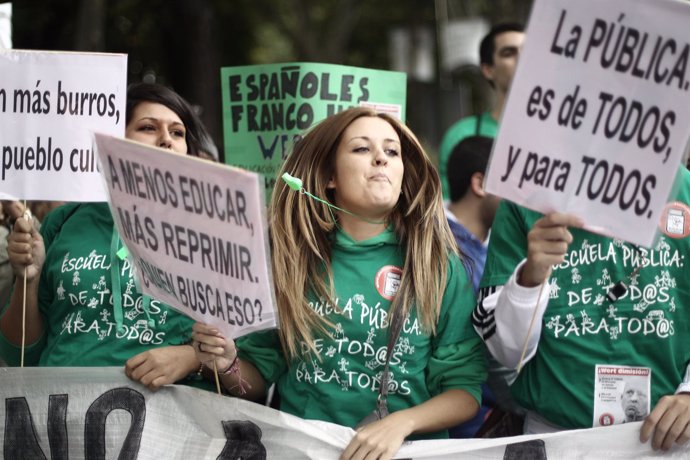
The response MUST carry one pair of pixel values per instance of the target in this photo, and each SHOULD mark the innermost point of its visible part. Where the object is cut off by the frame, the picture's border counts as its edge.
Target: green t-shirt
(343, 386)
(75, 298)
(647, 327)
(482, 125)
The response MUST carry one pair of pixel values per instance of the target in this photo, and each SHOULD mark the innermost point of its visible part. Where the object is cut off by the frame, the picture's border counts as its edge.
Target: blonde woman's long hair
(301, 227)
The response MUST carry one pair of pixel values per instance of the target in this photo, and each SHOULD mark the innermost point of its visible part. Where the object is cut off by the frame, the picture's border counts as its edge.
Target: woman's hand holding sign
(240, 378)
(22, 322)
(24, 244)
(210, 346)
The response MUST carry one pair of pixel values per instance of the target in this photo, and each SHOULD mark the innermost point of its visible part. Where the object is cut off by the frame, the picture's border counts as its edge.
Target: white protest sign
(196, 232)
(98, 413)
(5, 26)
(598, 115)
(49, 102)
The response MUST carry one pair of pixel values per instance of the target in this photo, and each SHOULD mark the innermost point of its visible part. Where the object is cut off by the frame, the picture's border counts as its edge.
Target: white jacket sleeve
(502, 318)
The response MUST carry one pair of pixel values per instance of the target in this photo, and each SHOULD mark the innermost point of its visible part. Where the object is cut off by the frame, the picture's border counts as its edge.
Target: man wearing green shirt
(498, 55)
(580, 314)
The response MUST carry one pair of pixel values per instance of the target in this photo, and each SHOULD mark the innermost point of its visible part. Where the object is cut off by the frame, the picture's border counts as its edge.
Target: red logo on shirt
(675, 220)
(387, 281)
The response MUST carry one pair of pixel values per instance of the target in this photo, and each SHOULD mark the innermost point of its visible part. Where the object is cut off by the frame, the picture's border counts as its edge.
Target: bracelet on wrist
(198, 375)
(233, 368)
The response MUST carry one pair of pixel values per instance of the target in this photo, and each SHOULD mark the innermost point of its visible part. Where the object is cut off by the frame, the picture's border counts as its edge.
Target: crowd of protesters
(475, 319)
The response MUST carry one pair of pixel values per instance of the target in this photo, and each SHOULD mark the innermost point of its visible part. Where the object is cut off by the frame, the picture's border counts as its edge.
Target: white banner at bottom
(99, 413)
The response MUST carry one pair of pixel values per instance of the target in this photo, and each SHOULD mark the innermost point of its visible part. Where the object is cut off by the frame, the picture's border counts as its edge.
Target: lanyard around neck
(115, 256)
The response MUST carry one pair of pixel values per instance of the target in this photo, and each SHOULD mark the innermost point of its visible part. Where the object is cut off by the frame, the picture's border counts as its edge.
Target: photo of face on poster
(635, 400)
(621, 395)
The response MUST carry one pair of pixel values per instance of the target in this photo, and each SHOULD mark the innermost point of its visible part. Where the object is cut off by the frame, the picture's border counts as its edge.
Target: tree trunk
(90, 26)
(197, 70)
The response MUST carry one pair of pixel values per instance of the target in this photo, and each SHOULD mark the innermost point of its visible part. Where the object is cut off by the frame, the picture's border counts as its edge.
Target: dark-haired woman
(82, 305)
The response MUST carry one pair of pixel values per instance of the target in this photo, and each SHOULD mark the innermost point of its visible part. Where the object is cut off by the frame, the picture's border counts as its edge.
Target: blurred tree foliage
(183, 43)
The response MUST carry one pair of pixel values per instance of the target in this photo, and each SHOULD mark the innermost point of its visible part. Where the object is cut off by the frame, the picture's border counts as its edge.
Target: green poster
(266, 106)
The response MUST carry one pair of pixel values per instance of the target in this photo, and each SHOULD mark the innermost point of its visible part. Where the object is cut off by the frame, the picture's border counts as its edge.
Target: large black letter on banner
(57, 427)
(20, 434)
(528, 450)
(243, 441)
(94, 427)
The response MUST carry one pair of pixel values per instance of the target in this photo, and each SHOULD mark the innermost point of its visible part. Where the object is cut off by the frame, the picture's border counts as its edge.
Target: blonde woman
(379, 247)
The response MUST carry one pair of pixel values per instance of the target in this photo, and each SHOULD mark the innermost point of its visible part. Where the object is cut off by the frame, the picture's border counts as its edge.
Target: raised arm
(504, 313)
